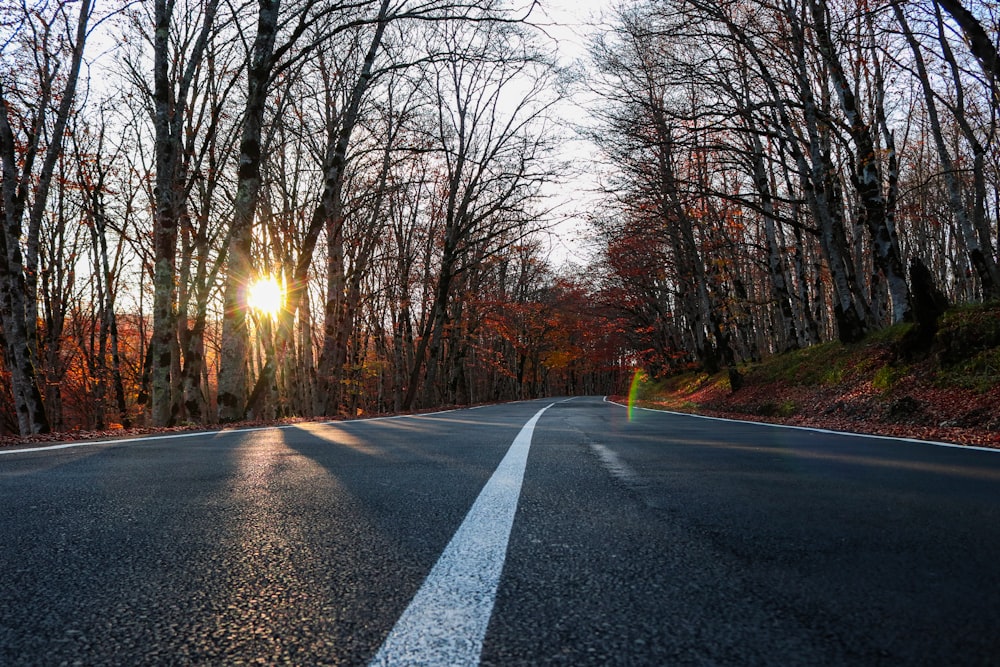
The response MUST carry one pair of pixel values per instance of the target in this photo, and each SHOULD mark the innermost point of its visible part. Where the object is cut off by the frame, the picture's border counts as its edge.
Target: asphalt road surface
(579, 538)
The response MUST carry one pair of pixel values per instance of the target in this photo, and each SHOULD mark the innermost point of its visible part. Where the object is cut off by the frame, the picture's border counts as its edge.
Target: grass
(887, 376)
(965, 354)
(968, 342)
(819, 364)
(979, 372)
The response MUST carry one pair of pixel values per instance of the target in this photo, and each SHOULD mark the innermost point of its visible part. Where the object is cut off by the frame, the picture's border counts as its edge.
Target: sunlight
(266, 296)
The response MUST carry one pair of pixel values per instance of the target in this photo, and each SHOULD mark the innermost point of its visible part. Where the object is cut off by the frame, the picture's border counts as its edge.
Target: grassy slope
(949, 393)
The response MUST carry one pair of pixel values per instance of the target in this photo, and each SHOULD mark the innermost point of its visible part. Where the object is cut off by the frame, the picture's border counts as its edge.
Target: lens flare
(633, 391)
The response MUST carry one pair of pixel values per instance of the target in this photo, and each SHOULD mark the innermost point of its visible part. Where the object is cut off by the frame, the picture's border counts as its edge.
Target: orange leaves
(559, 328)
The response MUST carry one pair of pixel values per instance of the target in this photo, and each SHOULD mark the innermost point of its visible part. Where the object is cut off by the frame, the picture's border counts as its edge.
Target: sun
(266, 296)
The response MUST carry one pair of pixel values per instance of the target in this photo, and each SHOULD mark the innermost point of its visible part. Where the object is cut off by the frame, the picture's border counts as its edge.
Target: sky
(570, 23)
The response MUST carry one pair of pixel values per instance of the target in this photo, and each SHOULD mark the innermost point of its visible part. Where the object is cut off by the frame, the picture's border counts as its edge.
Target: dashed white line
(618, 468)
(446, 621)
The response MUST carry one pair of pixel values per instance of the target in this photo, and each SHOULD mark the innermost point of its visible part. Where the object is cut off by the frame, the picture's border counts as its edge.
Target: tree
(93, 175)
(983, 262)
(170, 102)
(490, 93)
(978, 40)
(34, 114)
(239, 266)
(268, 57)
(867, 177)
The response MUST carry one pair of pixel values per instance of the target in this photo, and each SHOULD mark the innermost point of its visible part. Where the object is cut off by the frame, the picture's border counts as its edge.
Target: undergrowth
(883, 382)
(968, 348)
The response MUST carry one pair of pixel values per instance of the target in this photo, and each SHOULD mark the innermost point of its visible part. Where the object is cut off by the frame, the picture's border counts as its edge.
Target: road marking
(17, 449)
(618, 468)
(144, 438)
(815, 429)
(149, 438)
(446, 621)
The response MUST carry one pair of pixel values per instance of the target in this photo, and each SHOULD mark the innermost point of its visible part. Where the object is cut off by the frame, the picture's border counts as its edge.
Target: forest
(769, 175)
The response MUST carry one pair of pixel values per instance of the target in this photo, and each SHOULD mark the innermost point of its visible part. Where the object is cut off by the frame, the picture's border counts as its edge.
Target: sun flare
(633, 392)
(266, 296)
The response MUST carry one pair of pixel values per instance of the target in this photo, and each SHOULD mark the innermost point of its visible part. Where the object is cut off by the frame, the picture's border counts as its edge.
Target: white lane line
(814, 429)
(15, 449)
(144, 438)
(446, 621)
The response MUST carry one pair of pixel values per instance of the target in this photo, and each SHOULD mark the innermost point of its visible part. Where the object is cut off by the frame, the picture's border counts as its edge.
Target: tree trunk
(979, 41)
(977, 237)
(165, 221)
(169, 108)
(823, 194)
(867, 178)
(239, 269)
(815, 173)
(430, 339)
(18, 291)
(788, 338)
(334, 356)
(954, 186)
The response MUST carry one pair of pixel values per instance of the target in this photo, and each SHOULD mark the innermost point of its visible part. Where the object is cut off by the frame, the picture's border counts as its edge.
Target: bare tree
(267, 57)
(34, 114)
(491, 93)
(982, 261)
(867, 178)
(171, 97)
(94, 175)
(977, 38)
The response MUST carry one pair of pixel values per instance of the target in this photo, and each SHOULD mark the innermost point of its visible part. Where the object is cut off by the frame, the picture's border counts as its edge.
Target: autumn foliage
(773, 177)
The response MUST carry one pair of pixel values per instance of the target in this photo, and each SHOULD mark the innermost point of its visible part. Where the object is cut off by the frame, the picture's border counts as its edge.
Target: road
(664, 540)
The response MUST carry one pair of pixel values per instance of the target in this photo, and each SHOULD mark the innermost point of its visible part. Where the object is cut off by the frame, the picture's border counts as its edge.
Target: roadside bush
(968, 330)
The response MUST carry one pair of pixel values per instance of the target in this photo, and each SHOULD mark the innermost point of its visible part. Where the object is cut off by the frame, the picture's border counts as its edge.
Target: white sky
(571, 23)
